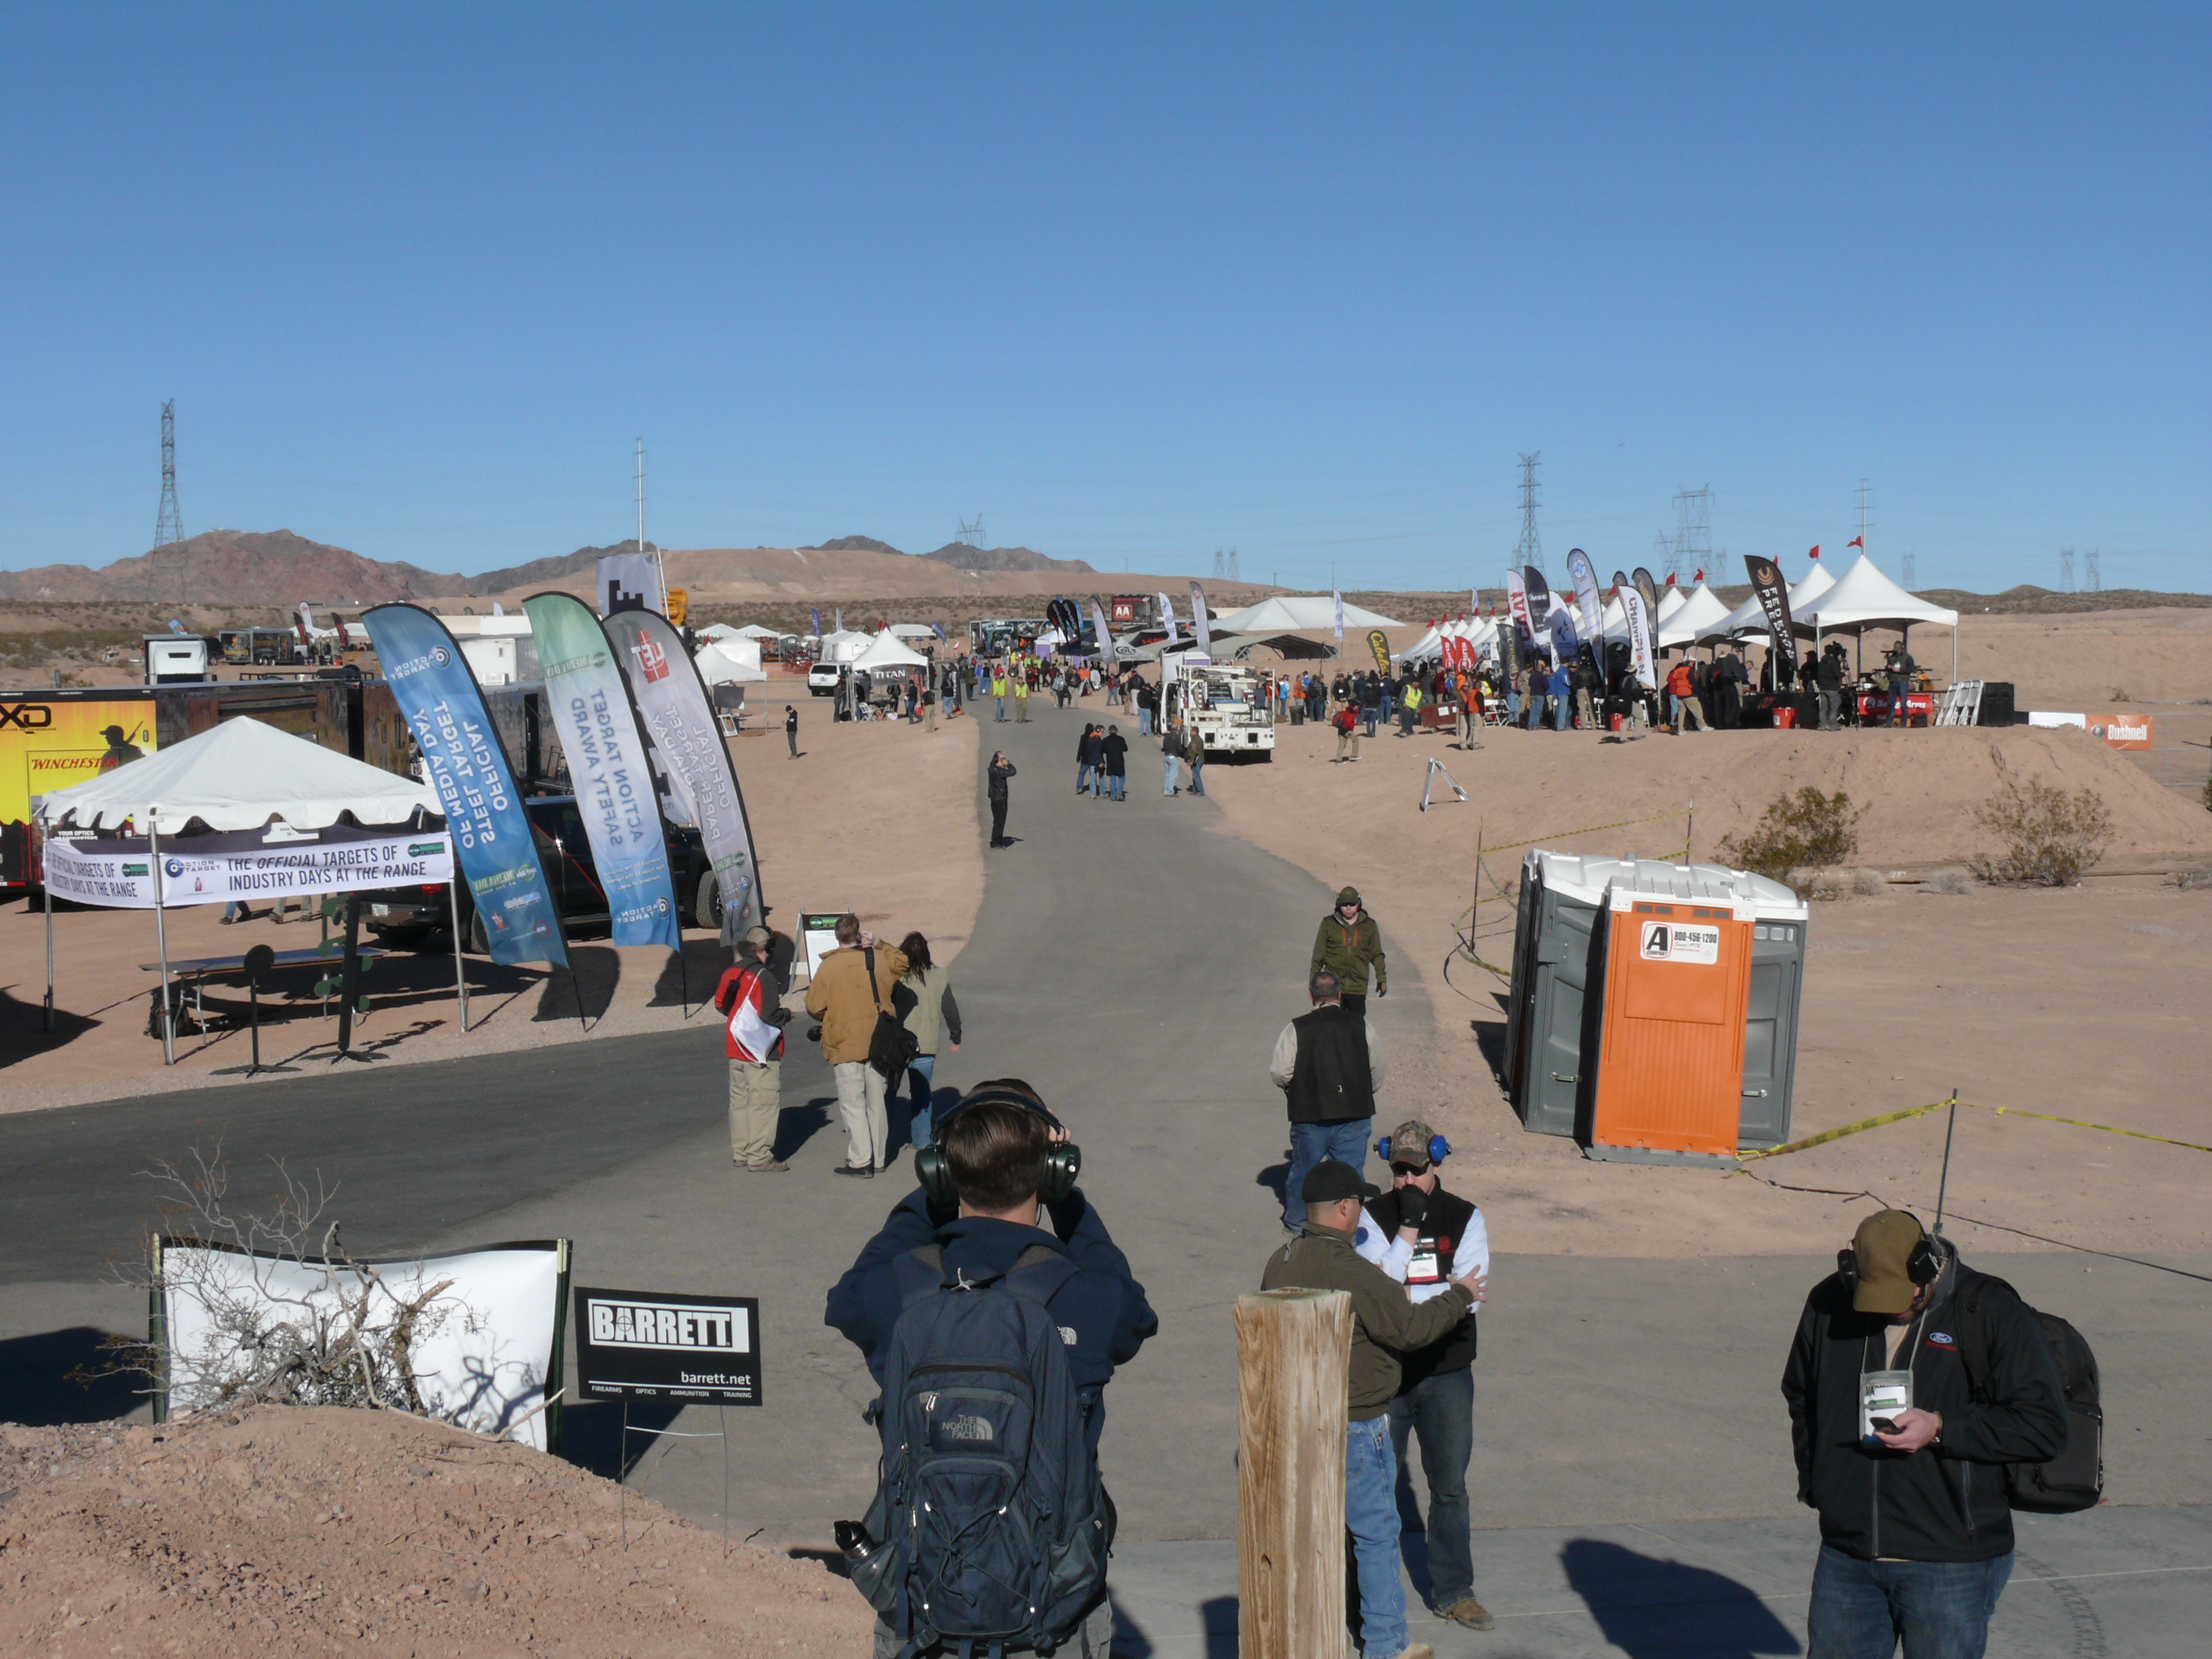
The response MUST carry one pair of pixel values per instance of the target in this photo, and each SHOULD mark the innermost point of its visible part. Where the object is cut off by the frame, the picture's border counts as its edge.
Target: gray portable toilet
(1547, 1025)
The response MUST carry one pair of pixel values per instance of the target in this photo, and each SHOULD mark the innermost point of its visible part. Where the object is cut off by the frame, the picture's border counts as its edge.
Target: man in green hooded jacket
(1349, 945)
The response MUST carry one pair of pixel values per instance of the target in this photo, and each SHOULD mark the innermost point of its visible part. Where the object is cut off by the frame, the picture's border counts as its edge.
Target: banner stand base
(1428, 782)
(722, 1434)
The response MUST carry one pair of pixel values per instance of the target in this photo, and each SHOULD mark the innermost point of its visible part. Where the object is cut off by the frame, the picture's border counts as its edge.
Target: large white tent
(238, 776)
(1670, 600)
(721, 631)
(886, 652)
(1748, 620)
(1863, 598)
(720, 665)
(1696, 614)
(843, 647)
(913, 630)
(1298, 611)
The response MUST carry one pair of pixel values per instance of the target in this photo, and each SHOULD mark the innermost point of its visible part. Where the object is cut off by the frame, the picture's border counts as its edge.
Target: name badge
(1426, 1267)
(1883, 1394)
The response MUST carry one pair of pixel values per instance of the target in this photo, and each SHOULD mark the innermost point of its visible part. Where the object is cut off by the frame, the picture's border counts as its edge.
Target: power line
(168, 523)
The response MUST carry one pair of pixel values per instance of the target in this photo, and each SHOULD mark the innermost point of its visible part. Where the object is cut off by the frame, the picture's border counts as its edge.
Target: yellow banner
(46, 746)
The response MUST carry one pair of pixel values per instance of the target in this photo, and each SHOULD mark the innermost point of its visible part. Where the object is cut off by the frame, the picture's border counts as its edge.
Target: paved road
(1135, 964)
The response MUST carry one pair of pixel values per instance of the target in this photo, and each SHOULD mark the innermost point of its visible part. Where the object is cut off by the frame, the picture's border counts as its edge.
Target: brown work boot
(1470, 1613)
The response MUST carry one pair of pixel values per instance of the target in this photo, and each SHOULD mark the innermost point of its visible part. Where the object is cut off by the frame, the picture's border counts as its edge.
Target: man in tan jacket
(841, 997)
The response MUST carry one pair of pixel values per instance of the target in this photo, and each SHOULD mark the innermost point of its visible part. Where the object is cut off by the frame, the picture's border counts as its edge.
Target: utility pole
(168, 523)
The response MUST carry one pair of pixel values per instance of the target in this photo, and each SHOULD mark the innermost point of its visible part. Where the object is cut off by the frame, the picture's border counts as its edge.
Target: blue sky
(1131, 283)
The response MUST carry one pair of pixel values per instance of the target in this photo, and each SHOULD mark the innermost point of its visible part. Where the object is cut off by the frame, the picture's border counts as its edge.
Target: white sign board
(1677, 941)
(100, 872)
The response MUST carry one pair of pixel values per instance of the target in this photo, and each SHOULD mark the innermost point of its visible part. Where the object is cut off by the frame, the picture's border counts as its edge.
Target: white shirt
(1393, 1254)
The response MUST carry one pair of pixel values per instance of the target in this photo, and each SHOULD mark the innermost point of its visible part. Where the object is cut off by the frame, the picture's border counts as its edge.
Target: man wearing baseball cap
(1902, 1455)
(1425, 1238)
(1385, 1325)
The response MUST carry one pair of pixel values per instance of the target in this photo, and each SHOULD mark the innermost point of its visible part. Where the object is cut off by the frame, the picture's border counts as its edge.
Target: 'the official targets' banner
(463, 762)
(590, 708)
(671, 700)
(245, 866)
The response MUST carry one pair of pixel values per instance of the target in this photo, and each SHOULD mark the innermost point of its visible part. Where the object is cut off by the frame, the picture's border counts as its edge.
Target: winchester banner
(463, 761)
(615, 794)
(671, 700)
(1774, 600)
(246, 866)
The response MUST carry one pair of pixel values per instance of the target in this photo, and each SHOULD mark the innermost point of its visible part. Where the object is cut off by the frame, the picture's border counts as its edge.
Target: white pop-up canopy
(844, 646)
(725, 663)
(239, 776)
(886, 652)
(1693, 618)
(1748, 620)
(1297, 610)
(1671, 600)
(1863, 598)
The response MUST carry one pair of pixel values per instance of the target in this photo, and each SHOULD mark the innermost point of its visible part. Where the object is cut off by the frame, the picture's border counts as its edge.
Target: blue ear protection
(1439, 1149)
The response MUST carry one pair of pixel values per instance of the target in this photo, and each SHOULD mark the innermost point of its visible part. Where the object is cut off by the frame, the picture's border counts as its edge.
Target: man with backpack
(851, 995)
(1917, 1388)
(992, 1309)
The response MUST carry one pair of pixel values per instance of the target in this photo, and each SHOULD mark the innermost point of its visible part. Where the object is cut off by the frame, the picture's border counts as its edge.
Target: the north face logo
(966, 1428)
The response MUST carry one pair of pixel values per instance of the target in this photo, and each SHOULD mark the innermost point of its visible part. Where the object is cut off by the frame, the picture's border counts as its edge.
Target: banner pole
(576, 985)
(1943, 1182)
(49, 892)
(460, 972)
(160, 939)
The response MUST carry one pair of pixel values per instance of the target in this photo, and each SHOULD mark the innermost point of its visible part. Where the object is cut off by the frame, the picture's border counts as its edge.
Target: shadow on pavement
(1649, 1609)
(797, 1125)
(591, 1434)
(688, 981)
(23, 1025)
(64, 1376)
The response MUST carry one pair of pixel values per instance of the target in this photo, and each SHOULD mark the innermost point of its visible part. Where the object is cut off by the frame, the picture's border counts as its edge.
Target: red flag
(1670, 579)
(1699, 577)
(1816, 553)
(1859, 541)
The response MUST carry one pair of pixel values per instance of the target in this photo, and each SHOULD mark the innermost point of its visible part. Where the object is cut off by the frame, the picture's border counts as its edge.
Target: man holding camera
(998, 1203)
(853, 986)
(1386, 1326)
(751, 997)
(1912, 1381)
(1427, 1239)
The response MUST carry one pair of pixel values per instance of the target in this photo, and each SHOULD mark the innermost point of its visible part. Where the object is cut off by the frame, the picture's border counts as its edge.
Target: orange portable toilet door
(1670, 1055)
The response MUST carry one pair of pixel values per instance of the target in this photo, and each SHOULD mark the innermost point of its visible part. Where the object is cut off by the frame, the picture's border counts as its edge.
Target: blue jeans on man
(1143, 721)
(1345, 1140)
(1938, 1609)
(1371, 1516)
(1083, 779)
(1370, 713)
(1441, 1407)
(1197, 775)
(1116, 782)
(918, 1081)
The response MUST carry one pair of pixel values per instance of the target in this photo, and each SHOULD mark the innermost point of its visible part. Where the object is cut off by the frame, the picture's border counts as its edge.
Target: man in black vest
(1426, 1237)
(1328, 1066)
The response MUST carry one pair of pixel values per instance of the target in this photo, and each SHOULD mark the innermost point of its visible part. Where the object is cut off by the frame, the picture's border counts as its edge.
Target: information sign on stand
(817, 936)
(651, 1346)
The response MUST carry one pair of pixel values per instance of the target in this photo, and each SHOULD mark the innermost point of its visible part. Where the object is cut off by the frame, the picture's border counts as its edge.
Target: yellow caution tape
(1922, 1111)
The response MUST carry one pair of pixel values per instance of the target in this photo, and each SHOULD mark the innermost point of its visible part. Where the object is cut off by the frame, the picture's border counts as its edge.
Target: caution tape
(1827, 1135)
(1569, 834)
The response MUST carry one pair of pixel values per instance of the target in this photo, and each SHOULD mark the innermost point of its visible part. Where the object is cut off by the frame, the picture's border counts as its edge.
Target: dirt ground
(817, 821)
(2086, 1002)
(289, 1531)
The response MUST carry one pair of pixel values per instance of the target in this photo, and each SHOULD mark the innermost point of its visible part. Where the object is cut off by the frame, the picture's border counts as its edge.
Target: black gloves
(1412, 1204)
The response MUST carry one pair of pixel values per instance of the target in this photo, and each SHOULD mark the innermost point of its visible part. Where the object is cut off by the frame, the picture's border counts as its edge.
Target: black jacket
(995, 787)
(1946, 1501)
(1117, 752)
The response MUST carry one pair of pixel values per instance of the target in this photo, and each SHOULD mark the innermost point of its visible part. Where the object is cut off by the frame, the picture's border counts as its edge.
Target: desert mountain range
(249, 567)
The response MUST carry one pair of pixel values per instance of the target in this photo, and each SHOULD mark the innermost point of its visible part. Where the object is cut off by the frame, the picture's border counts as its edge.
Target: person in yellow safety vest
(1408, 706)
(1021, 698)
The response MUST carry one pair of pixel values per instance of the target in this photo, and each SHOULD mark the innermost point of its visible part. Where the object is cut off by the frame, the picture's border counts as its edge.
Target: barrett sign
(657, 1346)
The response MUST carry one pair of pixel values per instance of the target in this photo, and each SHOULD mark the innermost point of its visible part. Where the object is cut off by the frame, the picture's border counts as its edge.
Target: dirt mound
(302, 1531)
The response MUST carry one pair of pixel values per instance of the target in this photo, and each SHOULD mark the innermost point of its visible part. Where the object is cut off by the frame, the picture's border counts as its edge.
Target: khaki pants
(1582, 708)
(1347, 741)
(867, 1125)
(756, 1100)
(1022, 710)
(929, 716)
(1466, 723)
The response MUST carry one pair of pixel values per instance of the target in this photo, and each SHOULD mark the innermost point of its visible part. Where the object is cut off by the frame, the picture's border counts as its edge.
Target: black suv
(409, 916)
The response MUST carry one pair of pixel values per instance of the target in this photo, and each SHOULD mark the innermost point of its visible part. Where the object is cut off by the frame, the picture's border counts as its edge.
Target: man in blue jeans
(1425, 1238)
(1328, 1066)
(1912, 1381)
(1385, 1325)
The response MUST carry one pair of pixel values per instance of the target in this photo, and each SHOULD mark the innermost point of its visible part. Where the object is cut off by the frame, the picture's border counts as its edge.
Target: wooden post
(1293, 1368)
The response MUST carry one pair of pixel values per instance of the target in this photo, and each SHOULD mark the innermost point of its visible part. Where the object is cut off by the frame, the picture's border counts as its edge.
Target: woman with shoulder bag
(924, 1002)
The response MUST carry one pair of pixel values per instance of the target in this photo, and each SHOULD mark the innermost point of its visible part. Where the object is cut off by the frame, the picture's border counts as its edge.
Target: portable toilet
(1667, 1087)
(1555, 970)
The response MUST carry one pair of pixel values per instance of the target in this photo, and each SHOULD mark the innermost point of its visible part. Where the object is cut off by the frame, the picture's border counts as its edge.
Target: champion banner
(1590, 617)
(1639, 636)
(246, 866)
(1378, 642)
(590, 708)
(1773, 598)
(671, 700)
(463, 762)
(1202, 622)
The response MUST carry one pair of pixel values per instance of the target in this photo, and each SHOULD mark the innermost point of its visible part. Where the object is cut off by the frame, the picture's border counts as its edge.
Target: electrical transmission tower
(1866, 517)
(1220, 563)
(1912, 572)
(1663, 558)
(168, 523)
(1235, 575)
(1693, 530)
(2094, 565)
(971, 535)
(2066, 570)
(1531, 550)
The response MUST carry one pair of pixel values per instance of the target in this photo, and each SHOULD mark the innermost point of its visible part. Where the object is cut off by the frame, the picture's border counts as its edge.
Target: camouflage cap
(1409, 1143)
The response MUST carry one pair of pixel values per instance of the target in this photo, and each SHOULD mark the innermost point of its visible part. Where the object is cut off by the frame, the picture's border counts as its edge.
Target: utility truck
(1222, 702)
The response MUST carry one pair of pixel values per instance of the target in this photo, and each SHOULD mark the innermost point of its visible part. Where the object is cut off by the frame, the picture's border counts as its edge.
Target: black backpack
(2075, 1480)
(993, 1523)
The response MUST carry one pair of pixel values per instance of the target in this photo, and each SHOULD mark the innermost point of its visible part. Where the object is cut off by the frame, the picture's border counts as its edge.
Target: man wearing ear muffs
(1426, 1237)
(1902, 1455)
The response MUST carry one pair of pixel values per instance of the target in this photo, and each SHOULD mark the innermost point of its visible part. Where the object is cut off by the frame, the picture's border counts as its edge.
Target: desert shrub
(2207, 792)
(1806, 830)
(2047, 836)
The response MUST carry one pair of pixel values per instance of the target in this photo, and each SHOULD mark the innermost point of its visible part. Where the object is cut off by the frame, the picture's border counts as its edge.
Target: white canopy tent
(913, 630)
(1863, 598)
(1671, 599)
(886, 652)
(1693, 618)
(843, 647)
(723, 664)
(1291, 611)
(242, 775)
(1748, 620)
